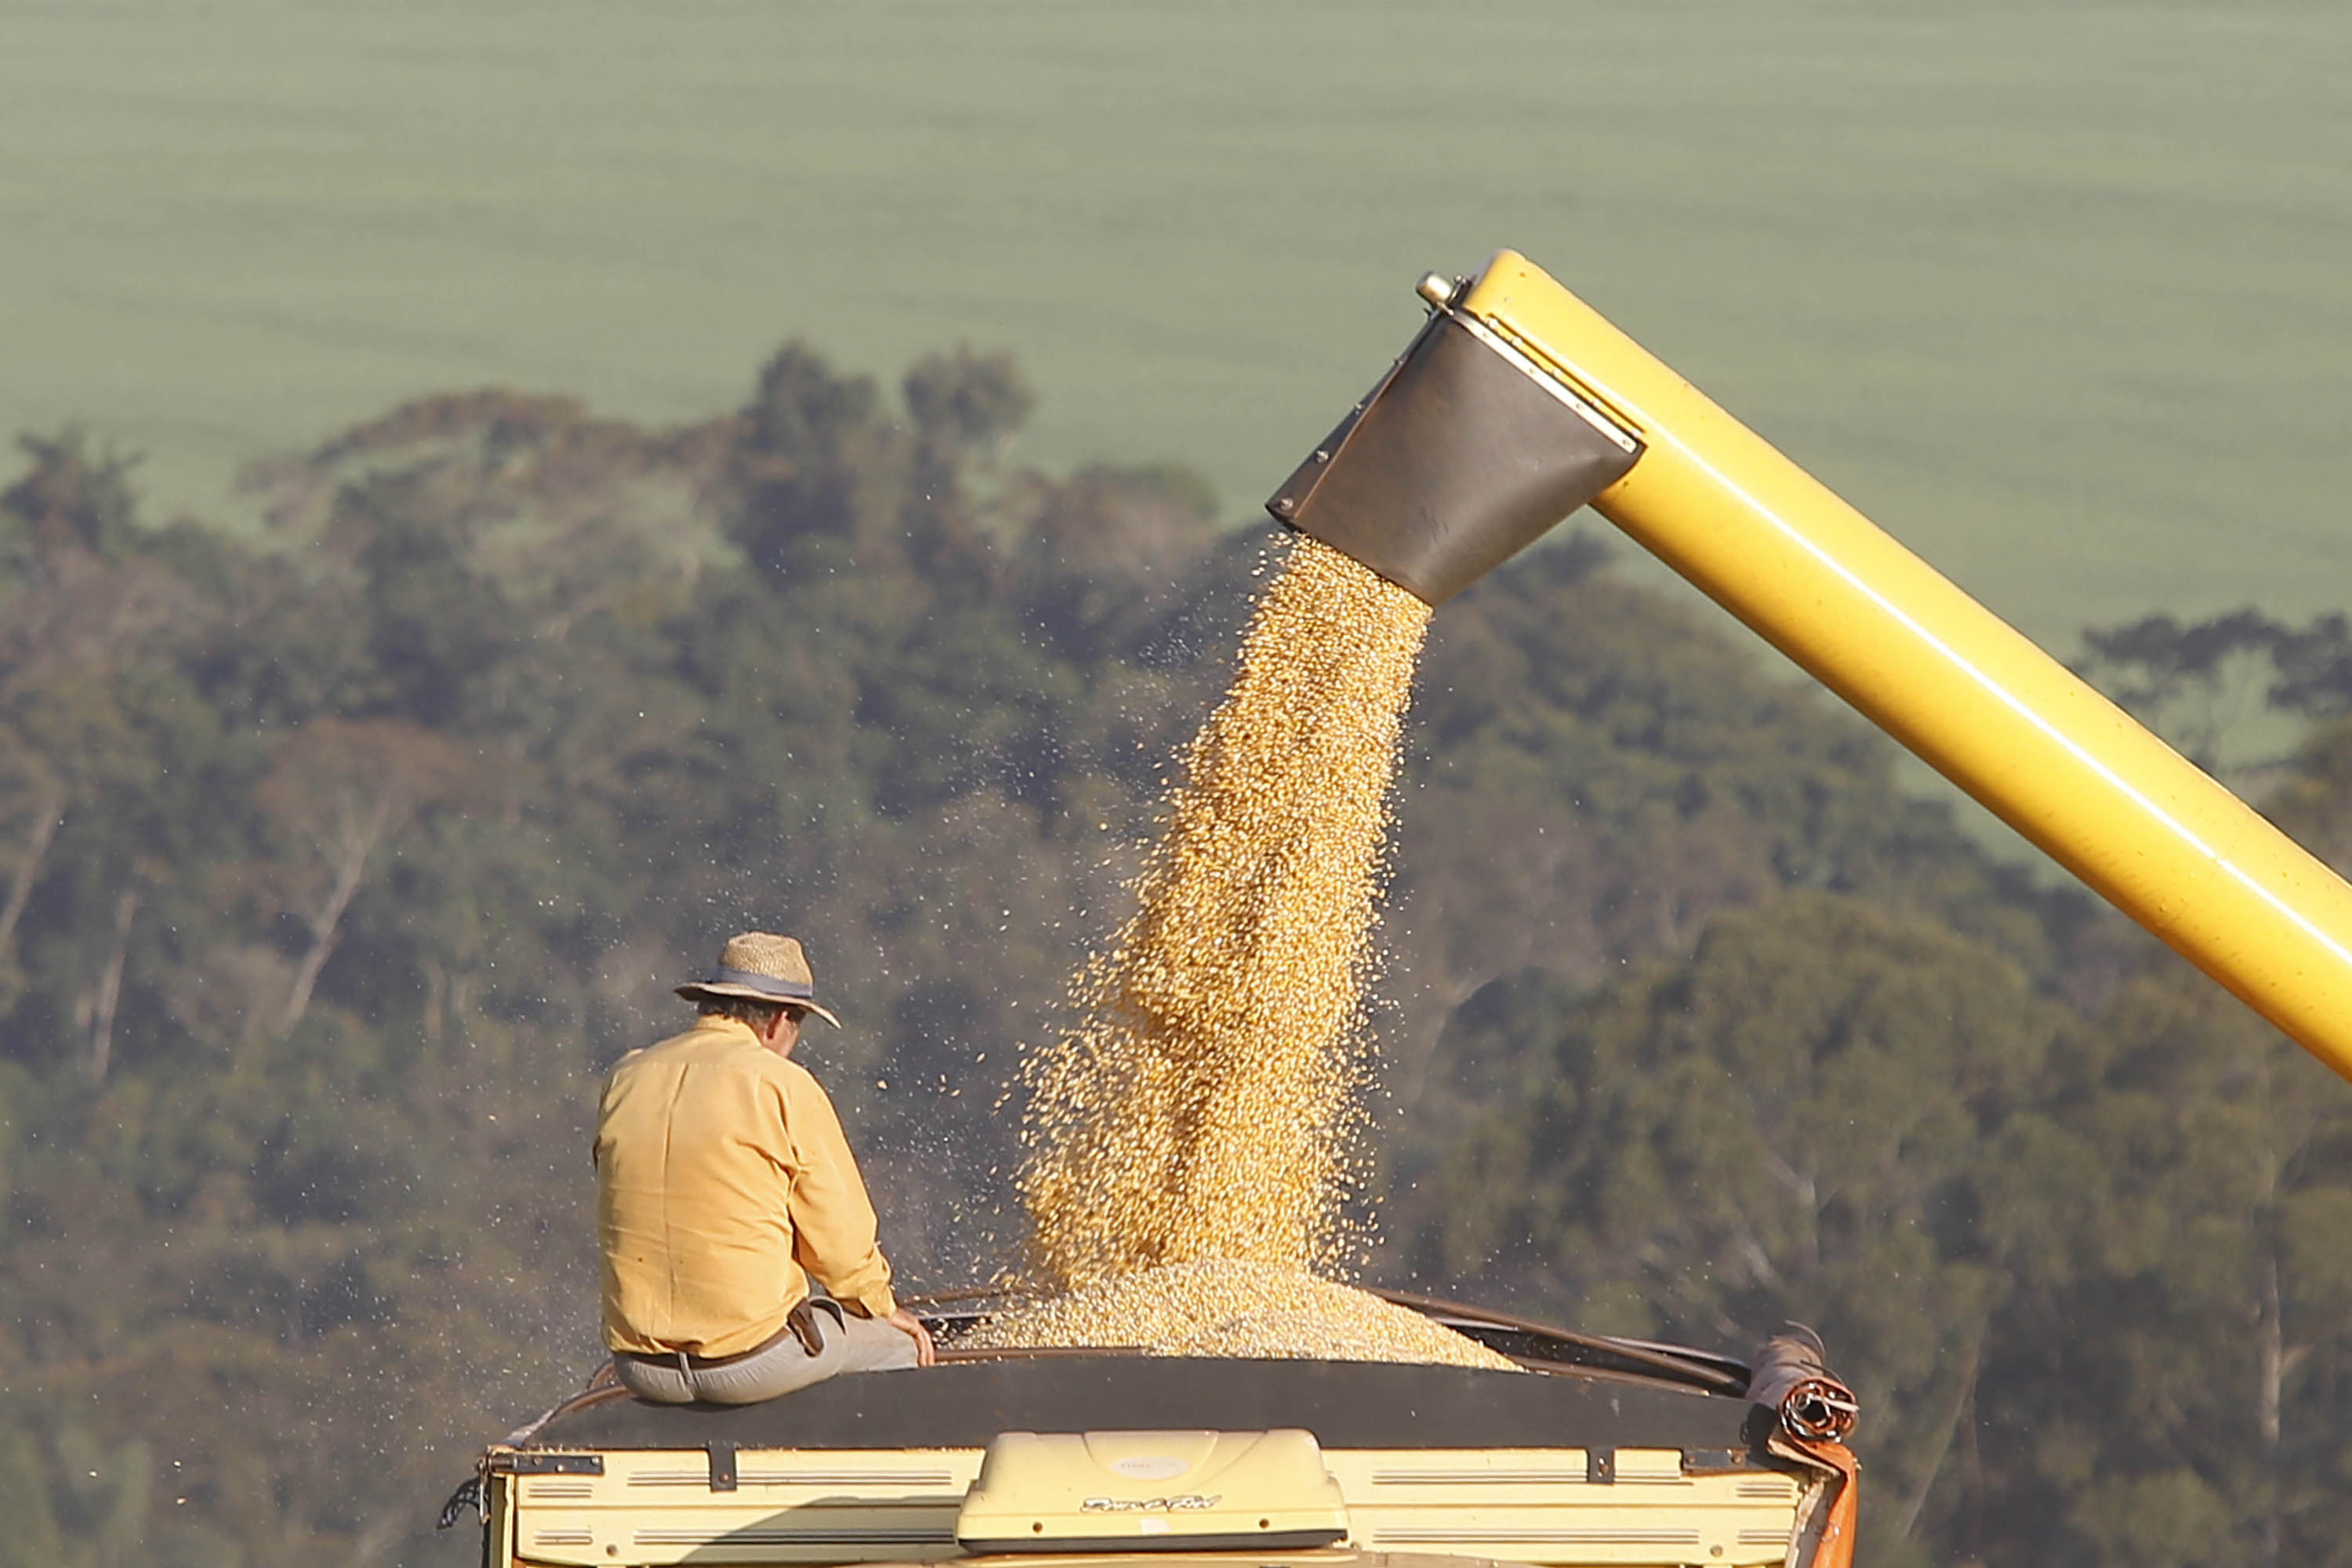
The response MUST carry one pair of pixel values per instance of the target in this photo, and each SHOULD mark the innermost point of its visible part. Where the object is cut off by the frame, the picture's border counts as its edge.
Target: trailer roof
(1347, 1404)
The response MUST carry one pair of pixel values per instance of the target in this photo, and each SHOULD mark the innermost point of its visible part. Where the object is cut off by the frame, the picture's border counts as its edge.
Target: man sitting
(724, 1184)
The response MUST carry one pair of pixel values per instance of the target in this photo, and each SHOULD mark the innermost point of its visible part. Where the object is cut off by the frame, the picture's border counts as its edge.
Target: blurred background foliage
(337, 863)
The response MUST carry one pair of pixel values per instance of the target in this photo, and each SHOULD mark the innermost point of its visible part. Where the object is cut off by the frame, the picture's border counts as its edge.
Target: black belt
(799, 1323)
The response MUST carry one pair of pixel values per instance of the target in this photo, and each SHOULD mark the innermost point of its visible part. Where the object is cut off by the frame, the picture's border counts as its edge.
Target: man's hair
(744, 1010)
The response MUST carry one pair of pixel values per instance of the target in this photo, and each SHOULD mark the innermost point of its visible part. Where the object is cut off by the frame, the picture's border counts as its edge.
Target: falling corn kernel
(1205, 1110)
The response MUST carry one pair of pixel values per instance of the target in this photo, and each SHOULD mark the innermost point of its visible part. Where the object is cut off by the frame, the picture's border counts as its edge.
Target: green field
(2058, 293)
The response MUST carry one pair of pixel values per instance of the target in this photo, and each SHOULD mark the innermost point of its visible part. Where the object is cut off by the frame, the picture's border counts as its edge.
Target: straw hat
(764, 968)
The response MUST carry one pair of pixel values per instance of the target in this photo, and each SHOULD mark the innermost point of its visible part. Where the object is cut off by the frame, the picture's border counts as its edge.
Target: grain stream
(1207, 1104)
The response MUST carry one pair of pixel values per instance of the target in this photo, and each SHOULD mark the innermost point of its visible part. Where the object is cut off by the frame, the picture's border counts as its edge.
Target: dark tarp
(1347, 1404)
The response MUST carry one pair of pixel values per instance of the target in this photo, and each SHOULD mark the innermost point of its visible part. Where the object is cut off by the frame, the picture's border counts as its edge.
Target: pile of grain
(1204, 1108)
(1227, 1308)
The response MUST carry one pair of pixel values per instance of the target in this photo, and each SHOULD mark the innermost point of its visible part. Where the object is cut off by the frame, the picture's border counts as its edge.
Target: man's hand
(907, 1323)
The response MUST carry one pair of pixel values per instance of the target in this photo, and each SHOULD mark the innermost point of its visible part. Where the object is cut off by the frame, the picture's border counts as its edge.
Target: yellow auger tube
(1950, 680)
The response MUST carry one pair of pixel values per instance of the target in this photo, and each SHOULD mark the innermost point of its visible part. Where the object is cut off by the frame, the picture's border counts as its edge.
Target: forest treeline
(336, 863)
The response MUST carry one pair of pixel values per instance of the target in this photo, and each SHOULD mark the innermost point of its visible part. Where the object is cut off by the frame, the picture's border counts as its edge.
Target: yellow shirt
(723, 1182)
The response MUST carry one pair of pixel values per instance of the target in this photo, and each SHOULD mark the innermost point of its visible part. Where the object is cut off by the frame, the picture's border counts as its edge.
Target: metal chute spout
(1465, 454)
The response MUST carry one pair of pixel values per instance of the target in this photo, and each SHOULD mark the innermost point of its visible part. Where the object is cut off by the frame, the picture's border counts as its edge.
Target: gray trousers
(846, 1344)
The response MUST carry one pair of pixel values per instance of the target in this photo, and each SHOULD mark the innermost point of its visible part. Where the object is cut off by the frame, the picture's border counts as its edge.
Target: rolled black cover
(1347, 1404)
(1460, 458)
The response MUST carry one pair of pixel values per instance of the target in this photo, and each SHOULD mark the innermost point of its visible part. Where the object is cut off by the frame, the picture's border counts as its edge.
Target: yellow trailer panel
(1536, 1506)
